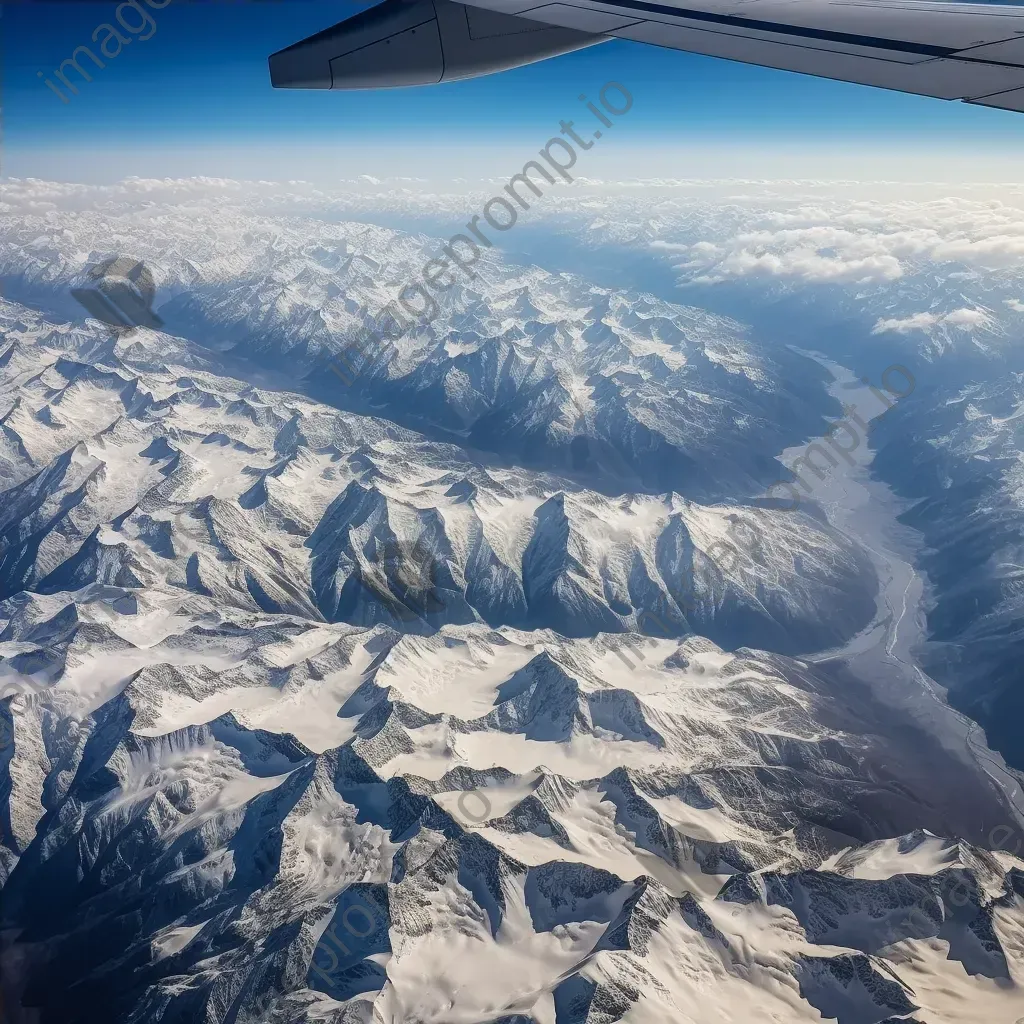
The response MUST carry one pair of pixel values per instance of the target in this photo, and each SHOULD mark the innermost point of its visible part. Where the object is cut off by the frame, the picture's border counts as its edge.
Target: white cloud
(857, 236)
(917, 322)
(965, 319)
(883, 252)
(806, 264)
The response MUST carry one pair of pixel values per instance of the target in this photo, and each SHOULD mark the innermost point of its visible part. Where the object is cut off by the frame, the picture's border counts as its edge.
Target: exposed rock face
(140, 476)
(479, 698)
(958, 453)
(373, 806)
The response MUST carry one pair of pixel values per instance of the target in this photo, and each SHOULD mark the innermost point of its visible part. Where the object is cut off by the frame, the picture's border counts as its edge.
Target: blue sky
(195, 99)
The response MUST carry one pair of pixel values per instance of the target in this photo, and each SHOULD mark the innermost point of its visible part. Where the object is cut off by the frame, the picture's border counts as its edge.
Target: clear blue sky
(199, 89)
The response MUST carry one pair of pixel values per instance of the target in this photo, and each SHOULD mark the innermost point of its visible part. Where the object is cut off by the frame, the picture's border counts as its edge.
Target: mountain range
(489, 687)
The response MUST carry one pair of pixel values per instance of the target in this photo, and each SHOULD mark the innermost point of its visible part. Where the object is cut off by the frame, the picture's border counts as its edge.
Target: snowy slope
(480, 692)
(611, 828)
(247, 778)
(546, 369)
(960, 454)
(135, 475)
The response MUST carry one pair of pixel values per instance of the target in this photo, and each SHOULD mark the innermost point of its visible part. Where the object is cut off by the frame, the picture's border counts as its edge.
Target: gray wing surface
(972, 52)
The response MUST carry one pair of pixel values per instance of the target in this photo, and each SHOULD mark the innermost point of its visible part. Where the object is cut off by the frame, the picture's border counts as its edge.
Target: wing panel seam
(849, 38)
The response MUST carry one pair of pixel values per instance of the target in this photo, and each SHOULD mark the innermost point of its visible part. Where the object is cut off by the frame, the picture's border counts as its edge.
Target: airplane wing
(972, 52)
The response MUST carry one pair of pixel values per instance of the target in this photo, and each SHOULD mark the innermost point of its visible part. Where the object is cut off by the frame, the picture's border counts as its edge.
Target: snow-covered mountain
(621, 389)
(247, 777)
(475, 825)
(683, 841)
(132, 475)
(959, 452)
(484, 690)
